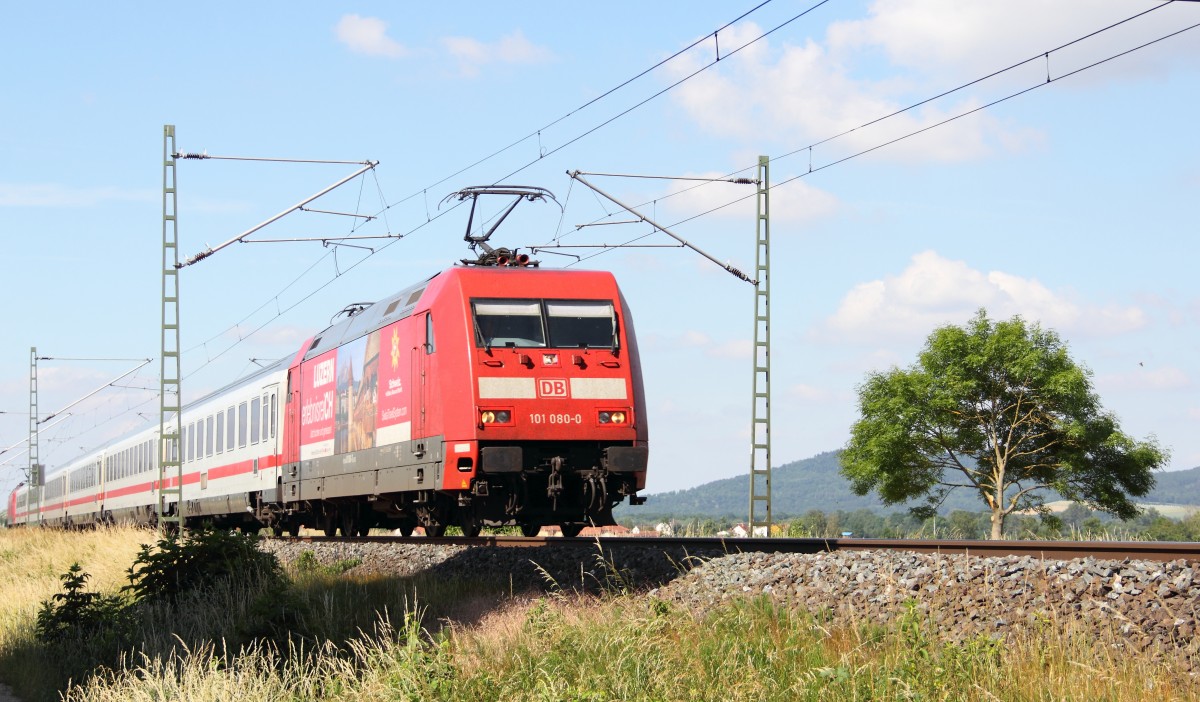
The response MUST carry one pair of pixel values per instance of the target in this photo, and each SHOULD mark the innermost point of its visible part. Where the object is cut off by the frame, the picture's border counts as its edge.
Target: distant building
(588, 532)
(742, 531)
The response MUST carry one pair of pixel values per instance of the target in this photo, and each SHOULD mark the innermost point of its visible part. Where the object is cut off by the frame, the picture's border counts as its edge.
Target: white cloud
(904, 51)
(803, 93)
(473, 55)
(966, 40)
(934, 290)
(54, 195)
(368, 36)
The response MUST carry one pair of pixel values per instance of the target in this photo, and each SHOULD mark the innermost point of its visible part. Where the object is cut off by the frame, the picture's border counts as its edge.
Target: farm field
(358, 636)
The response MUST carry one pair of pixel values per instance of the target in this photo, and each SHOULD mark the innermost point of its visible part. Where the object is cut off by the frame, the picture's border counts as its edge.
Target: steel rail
(1054, 550)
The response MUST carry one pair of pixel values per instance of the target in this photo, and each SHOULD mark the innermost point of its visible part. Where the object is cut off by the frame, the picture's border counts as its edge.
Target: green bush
(75, 614)
(198, 561)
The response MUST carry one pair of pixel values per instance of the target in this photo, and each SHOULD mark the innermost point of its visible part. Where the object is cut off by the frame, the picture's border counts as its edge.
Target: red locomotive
(501, 395)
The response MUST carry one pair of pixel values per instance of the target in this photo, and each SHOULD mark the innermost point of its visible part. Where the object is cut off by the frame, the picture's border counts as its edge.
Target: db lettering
(552, 387)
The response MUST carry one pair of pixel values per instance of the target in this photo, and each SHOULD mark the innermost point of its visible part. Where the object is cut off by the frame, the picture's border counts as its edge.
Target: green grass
(357, 637)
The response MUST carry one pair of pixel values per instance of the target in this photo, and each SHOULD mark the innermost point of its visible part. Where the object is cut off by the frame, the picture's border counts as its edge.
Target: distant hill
(817, 483)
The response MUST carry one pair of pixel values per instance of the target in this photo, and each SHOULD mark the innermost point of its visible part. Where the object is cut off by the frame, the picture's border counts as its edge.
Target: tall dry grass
(32, 560)
(635, 648)
(362, 638)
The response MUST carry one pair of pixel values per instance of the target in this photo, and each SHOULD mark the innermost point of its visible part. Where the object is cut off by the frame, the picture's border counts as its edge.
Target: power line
(1044, 55)
(537, 132)
(430, 219)
(1010, 96)
(670, 87)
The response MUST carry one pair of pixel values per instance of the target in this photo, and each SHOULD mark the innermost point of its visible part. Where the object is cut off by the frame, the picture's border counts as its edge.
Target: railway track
(1057, 550)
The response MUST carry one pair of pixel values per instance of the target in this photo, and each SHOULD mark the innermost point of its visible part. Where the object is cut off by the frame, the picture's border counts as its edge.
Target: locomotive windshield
(542, 323)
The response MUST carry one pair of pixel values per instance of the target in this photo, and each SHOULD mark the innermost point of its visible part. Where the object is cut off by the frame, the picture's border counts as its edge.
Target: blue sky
(1073, 205)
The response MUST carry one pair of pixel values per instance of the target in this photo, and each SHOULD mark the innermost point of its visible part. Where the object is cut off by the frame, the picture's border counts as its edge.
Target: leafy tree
(965, 525)
(1000, 409)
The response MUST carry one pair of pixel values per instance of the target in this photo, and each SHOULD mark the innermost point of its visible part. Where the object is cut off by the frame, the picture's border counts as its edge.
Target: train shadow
(464, 586)
(329, 601)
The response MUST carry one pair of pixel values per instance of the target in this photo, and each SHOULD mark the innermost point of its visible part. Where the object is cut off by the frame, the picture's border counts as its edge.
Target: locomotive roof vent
(498, 256)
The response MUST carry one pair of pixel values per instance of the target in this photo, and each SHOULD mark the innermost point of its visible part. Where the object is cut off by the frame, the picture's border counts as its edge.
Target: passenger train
(483, 396)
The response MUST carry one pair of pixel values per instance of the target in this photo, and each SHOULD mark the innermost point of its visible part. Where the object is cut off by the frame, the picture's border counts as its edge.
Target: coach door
(271, 429)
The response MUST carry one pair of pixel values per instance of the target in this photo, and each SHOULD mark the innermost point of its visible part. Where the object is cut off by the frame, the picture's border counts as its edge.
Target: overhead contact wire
(589, 103)
(915, 105)
(918, 131)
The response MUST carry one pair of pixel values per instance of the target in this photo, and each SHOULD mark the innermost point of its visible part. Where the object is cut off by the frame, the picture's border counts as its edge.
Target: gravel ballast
(1150, 606)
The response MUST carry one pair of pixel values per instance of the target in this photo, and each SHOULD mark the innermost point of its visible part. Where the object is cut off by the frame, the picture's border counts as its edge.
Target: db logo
(552, 387)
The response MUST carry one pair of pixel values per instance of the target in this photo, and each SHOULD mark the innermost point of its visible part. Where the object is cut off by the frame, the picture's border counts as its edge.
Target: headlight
(612, 417)
(495, 417)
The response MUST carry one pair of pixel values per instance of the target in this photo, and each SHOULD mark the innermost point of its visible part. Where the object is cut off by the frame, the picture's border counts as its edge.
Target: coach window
(508, 323)
(208, 437)
(581, 324)
(230, 428)
(254, 405)
(199, 439)
(242, 433)
(266, 416)
(273, 414)
(220, 432)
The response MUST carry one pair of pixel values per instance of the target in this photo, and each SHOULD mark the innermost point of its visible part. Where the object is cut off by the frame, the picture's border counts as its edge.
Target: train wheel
(571, 530)
(329, 525)
(435, 530)
(349, 523)
(293, 529)
(530, 529)
(406, 528)
(470, 524)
